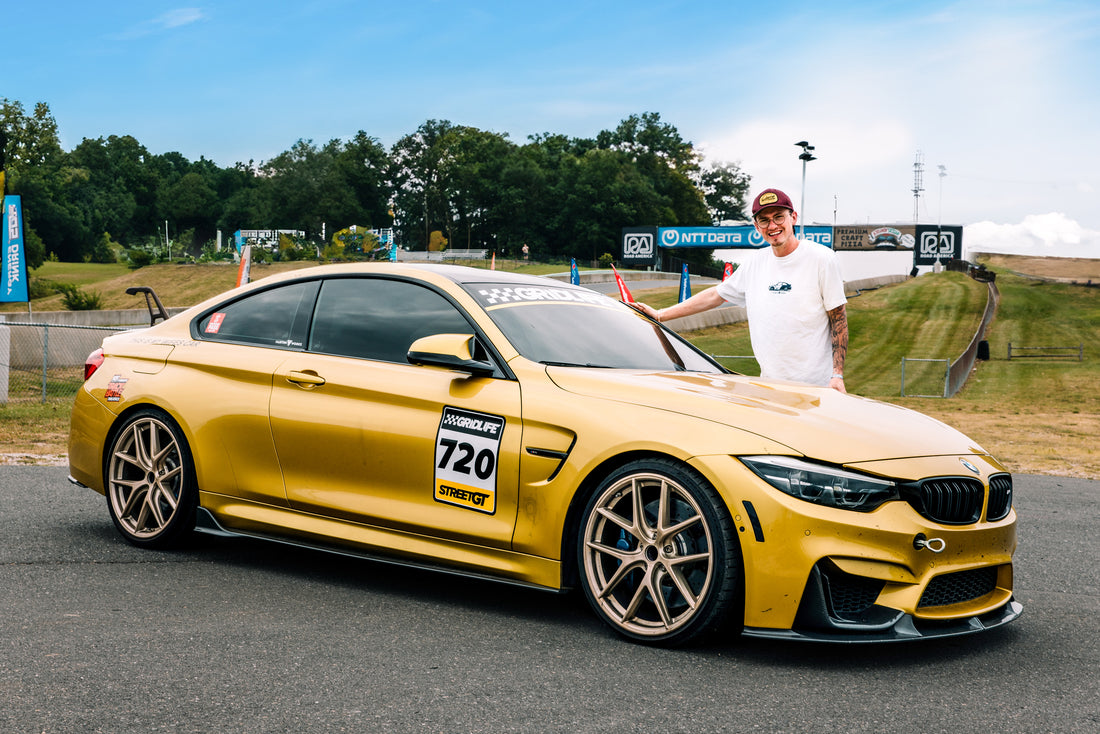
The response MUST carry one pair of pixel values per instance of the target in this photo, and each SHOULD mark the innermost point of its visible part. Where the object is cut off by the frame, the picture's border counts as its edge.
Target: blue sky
(1004, 94)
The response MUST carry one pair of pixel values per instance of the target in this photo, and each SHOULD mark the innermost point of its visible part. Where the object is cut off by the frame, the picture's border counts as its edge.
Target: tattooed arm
(838, 332)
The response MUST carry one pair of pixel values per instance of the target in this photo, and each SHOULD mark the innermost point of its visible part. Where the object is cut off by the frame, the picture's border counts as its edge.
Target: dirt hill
(1059, 269)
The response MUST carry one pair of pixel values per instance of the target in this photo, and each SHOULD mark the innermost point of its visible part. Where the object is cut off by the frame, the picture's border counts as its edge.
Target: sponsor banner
(884, 237)
(741, 237)
(685, 285)
(937, 243)
(467, 447)
(639, 247)
(574, 274)
(13, 286)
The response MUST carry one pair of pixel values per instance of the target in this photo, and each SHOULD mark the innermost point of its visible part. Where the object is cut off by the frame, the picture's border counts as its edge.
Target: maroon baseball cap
(771, 197)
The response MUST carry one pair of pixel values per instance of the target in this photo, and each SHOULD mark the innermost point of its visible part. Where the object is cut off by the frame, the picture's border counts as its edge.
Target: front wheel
(659, 556)
(151, 490)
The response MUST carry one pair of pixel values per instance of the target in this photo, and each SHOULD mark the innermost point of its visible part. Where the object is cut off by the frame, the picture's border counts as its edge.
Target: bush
(139, 258)
(40, 288)
(606, 260)
(76, 299)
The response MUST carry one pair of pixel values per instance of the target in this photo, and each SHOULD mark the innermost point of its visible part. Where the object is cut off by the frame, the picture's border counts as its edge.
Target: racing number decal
(466, 452)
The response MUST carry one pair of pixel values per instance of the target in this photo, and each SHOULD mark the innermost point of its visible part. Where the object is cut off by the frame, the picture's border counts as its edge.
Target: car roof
(460, 274)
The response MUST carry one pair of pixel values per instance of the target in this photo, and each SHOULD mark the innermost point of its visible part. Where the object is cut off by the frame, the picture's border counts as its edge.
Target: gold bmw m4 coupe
(526, 430)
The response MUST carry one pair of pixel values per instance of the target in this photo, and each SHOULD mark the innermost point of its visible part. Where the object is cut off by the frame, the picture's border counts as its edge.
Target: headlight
(822, 485)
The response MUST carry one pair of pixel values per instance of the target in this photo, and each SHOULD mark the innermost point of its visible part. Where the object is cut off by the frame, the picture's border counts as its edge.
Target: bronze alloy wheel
(660, 561)
(150, 481)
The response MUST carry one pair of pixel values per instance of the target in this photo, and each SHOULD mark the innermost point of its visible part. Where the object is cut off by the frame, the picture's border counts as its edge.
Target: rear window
(275, 317)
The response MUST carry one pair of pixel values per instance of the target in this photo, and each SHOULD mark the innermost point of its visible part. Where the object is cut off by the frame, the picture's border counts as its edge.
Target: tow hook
(936, 545)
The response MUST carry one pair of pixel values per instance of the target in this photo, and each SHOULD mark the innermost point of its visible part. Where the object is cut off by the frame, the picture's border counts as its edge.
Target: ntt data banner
(730, 237)
(13, 288)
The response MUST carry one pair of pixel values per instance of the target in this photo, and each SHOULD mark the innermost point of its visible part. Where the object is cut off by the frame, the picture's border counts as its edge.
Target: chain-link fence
(40, 361)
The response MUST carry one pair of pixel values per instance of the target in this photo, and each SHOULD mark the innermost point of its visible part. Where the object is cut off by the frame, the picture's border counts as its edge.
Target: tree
(470, 176)
(415, 178)
(667, 160)
(192, 204)
(37, 170)
(725, 189)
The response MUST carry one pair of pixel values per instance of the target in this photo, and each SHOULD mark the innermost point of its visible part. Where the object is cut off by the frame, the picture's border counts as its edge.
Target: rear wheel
(659, 556)
(150, 479)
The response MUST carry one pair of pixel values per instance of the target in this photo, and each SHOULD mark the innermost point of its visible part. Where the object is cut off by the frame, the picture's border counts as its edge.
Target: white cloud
(1051, 235)
(176, 18)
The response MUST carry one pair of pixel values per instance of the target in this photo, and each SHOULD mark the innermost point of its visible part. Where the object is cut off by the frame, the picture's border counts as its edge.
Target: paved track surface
(241, 636)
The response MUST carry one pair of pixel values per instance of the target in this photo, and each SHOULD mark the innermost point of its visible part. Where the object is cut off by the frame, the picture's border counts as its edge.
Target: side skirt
(206, 523)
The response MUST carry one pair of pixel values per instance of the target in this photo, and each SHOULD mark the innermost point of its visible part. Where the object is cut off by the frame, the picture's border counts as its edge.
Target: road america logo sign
(934, 243)
(637, 245)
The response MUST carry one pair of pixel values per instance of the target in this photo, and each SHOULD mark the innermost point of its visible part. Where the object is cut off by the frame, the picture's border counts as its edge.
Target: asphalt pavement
(241, 636)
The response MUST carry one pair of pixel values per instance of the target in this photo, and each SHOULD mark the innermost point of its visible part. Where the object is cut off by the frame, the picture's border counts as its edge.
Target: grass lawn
(1037, 415)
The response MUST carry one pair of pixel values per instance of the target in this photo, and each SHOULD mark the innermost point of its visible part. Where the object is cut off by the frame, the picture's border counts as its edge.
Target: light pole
(805, 157)
(939, 215)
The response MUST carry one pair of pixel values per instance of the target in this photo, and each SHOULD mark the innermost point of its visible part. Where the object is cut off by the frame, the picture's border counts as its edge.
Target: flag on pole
(574, 274)
(13, 280)
(727, 271)
(685, 285)
(244, 271)
(624, 292)
(493, 262)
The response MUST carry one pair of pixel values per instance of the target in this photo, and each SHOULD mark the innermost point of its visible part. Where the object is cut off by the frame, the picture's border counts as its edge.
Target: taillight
(92, 363)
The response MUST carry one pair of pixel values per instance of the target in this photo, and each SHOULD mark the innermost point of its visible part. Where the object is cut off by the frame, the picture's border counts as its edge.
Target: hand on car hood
(817, 421)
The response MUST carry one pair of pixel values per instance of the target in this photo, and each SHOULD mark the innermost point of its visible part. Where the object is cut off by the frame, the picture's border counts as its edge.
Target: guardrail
(959, 369)
(1077, 351)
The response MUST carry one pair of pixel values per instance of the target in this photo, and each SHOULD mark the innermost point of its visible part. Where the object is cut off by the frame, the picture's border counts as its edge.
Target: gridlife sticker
(467, 448)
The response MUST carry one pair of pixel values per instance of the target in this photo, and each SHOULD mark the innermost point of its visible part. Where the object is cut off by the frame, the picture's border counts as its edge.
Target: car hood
(818, 422)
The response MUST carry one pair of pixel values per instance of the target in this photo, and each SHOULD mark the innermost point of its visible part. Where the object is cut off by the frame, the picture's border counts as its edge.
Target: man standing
(794, 297)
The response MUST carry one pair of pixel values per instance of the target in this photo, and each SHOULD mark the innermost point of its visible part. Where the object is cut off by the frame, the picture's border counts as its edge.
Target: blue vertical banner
(574, 274)
(13, 288)
(685, 285)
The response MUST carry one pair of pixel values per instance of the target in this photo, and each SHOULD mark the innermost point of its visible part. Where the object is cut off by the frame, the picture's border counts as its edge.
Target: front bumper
(839, 607)
(905, 627)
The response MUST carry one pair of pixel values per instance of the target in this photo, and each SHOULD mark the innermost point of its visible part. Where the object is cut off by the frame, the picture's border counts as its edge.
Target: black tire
(150, 479)
(666, 578)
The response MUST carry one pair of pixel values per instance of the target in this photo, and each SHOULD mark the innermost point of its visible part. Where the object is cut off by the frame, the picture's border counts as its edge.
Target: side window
(275, 317)
(377, 318)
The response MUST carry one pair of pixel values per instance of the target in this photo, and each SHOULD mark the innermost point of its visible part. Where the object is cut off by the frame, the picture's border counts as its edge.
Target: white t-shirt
(786, 299)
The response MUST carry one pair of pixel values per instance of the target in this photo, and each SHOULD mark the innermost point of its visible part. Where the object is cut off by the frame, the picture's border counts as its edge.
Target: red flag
(244, 272)
(727, 271)
(493, 262)
(624, 292)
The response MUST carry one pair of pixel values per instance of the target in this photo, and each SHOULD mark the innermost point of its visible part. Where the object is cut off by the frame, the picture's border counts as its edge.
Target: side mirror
(453, 351)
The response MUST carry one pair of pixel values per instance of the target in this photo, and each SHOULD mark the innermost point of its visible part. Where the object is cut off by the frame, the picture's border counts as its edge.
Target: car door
(364, 436)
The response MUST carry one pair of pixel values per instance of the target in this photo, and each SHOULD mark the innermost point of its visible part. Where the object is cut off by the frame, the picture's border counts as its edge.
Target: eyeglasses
(778, 220)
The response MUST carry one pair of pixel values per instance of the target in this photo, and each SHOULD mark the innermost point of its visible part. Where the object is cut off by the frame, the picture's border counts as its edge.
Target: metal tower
(918, 185)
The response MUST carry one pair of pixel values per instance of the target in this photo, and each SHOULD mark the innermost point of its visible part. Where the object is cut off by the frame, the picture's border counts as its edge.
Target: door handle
(306, 379)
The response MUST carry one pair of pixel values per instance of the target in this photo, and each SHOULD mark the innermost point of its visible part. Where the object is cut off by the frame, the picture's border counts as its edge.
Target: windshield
(566, 325)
